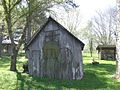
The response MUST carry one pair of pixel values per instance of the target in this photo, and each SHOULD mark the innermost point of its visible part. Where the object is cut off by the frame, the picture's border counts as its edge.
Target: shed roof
(51, 19)
(8, 42)
(105, 47)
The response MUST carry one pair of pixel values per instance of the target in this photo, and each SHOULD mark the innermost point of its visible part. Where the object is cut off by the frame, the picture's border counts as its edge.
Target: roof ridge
(40, 29)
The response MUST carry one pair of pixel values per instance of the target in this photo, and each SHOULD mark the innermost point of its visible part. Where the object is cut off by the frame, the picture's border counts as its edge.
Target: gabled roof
(51, 19)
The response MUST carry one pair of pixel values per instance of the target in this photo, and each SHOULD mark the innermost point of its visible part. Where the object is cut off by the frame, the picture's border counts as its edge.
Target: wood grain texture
(67, 65)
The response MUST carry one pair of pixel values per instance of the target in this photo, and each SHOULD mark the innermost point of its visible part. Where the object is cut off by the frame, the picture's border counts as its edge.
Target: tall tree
(69, 15)
(73, 21)
(103, 26)
(1, 36)
(18, 13)
(117, 75)
(28, 33)
(88, 36)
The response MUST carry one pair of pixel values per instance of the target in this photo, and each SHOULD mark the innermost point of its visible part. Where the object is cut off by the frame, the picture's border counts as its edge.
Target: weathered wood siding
(71, 43)
(107, 54)
(68, 65)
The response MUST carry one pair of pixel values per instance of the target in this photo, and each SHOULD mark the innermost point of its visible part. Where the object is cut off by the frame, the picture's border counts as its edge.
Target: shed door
(36, 60)
(50, 55)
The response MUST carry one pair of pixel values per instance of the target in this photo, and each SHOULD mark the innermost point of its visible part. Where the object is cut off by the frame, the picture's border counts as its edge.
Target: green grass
(96, 77)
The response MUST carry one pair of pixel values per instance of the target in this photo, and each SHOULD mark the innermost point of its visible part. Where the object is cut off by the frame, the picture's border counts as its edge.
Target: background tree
(19, 13)
(100, 30)
(1, 27)
(72, 21)
(117, 75)
(88, 37)
(103, 26)
(1, 35)
(69, 16)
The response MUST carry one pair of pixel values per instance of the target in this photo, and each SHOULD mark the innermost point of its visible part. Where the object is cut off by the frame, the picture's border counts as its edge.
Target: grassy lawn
(96, 77)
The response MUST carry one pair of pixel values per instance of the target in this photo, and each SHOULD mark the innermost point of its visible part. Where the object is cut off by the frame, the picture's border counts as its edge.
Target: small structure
(55, 53)
(107, 52)
(6, 46)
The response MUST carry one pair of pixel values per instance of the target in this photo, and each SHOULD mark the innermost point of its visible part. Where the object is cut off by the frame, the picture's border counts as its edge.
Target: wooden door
(50, 55)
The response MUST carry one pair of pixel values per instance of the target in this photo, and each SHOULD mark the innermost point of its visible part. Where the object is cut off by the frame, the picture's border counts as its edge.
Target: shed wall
(67, 44)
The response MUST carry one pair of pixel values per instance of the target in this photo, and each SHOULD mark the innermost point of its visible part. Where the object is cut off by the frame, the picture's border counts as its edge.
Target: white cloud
(89, 7)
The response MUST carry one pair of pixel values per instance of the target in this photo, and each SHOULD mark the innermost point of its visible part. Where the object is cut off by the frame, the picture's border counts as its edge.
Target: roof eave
(49, 19)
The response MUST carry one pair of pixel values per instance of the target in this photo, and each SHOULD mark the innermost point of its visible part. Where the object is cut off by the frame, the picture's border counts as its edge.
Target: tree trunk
(91, 47)
(1, 38)
(0, 42)
(14, 51)
(13, 60)
(29, 18)
(117, 75)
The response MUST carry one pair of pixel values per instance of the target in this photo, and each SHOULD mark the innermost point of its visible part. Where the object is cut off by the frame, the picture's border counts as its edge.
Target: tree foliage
(70, 17)
(104, 27)
(23, 13)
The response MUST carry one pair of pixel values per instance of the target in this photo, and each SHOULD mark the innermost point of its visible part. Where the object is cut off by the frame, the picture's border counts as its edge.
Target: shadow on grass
(94, 78)
(22, 82)
(89, 82)
(4, 61)
(21, 79)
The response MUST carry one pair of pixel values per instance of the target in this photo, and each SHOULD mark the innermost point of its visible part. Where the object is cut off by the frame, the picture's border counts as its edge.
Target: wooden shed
(7, 47)
(107, 52)
(55, 53)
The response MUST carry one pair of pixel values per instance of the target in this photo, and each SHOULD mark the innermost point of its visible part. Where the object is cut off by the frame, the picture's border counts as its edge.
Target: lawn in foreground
(96, 77)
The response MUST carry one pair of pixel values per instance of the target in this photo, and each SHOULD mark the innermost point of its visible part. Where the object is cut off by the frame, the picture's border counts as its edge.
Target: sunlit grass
(96, 77)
